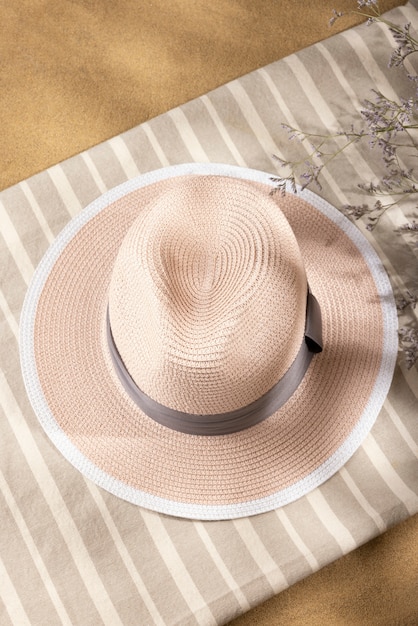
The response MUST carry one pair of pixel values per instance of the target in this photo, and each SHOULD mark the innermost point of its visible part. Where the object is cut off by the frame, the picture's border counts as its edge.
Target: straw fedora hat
(200, 347)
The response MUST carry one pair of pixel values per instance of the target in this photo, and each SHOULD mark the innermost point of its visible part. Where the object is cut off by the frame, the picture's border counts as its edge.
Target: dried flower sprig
(408, 335)
(388, 126)
(411, 228)
(406, 43)
(408, 343)
(406, 299)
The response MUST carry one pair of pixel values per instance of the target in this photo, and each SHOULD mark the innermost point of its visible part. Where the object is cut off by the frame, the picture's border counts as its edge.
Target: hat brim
(92, 421)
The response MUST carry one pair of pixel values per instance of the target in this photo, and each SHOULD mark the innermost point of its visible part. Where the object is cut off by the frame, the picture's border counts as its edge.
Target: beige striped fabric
(71, 553)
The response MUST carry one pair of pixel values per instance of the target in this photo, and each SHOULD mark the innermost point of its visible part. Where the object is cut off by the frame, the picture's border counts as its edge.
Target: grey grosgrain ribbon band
(239, 419)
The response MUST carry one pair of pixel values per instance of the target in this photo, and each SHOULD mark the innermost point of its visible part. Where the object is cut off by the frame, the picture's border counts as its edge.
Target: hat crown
(208, 295)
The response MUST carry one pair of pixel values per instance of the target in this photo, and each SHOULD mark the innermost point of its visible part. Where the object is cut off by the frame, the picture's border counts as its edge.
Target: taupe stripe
(11, 599)
(382, 81)
(402, 429)
(9, 317)
(33, 512)
(187, 133)
(124, 554)
(57, 505)
(373, 486)
(124, 157)
(14, 244)
(25, 223)
(331, 522)
(411, 379)
(170, 140)
(94, 172)
(223, 131)
(214, 570)
(377, 74)
(361, 499)
(247, 144)
(47, 196)
(239, 561)
(339, 75)
(155, 145)
(107, 164)
(260, 554)
(34, 552)
(221, 565)
(382, 464)
(176, 567)
(37, 211)
(253, 119)
(297, 539)
(80, 180)
(341, 499)
(141, 149)
(288, 541)
(66, 192)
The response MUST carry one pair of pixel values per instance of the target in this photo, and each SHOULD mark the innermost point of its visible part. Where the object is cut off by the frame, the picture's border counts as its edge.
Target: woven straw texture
(256, 469)
(72, 553)
(208, 295)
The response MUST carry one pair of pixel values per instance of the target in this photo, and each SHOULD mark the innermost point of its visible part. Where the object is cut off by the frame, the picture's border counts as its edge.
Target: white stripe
(331, 522)
(361, 49)
(124, 553)
(155, 144)
(37, 211)
(363, 502)
(278, 97)
(223, 131)
(389, 475)
(325, 114)
(94, 172)
(400, 426)
(220, 564)
(56, 503)
(411, 378)
(408, 11)
(124, 157)
(342, 198)
(33, 551)
(261, 556)
(297, 539)
(11, 599)
(15, 246)
(4, 306)
(176, 567)
(188, 135)
(339, 75)
(65, 191)
(252, 118)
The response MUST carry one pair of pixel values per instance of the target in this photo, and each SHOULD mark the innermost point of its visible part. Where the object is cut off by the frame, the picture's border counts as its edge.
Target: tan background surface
(73, 74)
